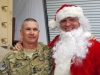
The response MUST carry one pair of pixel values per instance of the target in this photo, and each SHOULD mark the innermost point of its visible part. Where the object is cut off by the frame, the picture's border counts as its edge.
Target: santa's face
(69, 24)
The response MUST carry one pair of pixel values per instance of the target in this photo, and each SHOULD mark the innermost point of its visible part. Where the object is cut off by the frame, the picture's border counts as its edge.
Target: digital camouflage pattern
(3, 52)
(17, 63)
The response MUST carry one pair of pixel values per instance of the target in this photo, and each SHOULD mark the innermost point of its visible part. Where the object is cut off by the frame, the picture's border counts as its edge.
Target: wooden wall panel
(5, 22)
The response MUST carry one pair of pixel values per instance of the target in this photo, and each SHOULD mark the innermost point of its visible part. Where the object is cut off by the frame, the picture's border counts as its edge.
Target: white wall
(23, 9)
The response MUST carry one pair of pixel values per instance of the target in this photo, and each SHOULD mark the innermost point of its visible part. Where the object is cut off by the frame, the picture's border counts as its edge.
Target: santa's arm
(52, 43)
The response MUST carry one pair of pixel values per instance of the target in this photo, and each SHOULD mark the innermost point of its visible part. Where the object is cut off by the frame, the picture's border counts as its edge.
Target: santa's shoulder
(95, 46)
(52, 42)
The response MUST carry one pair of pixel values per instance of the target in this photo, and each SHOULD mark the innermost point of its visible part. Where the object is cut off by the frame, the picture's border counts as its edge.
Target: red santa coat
(90, 65)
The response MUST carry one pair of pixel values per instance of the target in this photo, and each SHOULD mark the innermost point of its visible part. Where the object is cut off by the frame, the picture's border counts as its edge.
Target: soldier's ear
(21, 33)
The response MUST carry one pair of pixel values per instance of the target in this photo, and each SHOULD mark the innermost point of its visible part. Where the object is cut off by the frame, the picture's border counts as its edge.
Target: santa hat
(66, 10)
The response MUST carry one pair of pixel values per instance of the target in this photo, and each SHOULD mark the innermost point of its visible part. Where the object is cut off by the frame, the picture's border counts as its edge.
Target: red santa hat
(66, 10)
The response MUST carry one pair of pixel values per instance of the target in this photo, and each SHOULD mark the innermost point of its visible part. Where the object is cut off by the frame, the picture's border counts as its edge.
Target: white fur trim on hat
(52, 24)
(69, 12)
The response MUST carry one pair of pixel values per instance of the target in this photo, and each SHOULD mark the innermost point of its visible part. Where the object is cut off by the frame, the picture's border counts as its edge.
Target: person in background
(34, 59)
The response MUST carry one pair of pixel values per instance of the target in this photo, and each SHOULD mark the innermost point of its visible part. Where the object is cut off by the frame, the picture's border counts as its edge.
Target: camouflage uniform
(17, 63)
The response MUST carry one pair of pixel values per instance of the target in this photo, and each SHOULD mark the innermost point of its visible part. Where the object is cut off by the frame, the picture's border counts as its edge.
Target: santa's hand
(93, 37)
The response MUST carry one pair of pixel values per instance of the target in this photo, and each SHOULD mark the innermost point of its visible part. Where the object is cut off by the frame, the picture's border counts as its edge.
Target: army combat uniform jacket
(17, 63)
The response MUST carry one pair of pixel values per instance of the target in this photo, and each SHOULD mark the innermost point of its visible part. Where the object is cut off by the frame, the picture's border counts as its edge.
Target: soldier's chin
(32, 41)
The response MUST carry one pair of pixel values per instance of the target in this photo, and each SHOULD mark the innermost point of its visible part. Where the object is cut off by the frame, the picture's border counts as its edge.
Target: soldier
(34, 59)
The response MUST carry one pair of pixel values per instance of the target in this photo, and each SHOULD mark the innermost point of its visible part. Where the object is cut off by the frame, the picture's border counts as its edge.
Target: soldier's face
(69, 24)
(30, 32)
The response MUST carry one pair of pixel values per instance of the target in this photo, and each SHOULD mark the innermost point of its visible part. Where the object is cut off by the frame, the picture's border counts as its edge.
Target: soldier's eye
(28, 29)
(35, 29)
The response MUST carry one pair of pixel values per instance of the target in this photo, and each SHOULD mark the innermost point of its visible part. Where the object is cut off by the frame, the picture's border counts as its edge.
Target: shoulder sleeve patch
(2, 66)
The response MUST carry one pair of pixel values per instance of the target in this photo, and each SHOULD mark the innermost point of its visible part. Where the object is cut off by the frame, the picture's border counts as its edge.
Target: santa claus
(73, 52)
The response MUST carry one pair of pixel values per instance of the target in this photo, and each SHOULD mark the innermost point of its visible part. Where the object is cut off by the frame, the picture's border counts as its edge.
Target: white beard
(71, 45)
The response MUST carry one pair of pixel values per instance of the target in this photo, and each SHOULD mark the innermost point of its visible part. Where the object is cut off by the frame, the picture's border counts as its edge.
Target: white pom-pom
(52, 24)
(87, 34)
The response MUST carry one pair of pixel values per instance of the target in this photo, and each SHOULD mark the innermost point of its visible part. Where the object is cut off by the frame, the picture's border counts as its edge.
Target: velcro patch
(2, 66)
